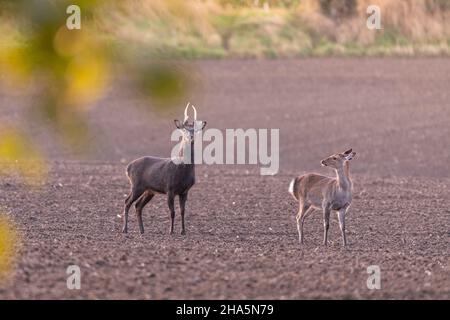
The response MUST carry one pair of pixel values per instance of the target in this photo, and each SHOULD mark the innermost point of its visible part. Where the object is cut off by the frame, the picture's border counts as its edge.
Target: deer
(149, 176)
(315, 191)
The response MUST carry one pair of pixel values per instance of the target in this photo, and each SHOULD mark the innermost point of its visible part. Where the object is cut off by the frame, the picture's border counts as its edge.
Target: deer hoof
(124, 230)
(183, 232)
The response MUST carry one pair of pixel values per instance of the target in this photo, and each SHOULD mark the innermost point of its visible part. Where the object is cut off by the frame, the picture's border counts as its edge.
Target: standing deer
(315, 191)
(151, 175)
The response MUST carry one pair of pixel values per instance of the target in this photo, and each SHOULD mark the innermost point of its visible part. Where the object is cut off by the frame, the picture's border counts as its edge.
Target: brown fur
(315, 191)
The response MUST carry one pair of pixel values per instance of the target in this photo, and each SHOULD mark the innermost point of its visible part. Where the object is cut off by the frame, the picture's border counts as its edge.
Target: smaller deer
(315, 191)
(149, 176)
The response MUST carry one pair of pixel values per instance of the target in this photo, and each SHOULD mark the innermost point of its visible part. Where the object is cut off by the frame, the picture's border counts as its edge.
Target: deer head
(336, 161)
(190, 129)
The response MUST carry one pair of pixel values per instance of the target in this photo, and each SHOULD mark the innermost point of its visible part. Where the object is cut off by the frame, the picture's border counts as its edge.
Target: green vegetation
(259, 28)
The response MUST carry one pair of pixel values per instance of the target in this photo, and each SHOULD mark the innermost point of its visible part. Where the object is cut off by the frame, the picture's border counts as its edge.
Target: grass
(212, 29)
(219, 29)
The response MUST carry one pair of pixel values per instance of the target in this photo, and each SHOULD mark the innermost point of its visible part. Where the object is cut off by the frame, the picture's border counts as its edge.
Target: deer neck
(343, 177)
(185, 149)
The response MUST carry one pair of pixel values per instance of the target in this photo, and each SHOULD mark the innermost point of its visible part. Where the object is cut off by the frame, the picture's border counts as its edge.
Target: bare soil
(241, 239)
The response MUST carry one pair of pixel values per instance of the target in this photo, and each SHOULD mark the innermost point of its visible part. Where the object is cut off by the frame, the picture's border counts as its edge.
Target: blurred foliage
(165, 84)
(17, 151)
(8, 243)
(68, 71)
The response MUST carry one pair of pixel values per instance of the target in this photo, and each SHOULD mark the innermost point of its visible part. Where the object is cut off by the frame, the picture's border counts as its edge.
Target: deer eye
(334, 158)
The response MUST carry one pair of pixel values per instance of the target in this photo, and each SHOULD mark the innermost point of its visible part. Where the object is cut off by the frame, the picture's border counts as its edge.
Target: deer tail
(128, 170)
(293, 188)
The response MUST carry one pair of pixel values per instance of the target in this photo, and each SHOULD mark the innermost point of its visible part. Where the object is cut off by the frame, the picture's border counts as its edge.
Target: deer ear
(348, 151)
(178, 124)
(350, 156)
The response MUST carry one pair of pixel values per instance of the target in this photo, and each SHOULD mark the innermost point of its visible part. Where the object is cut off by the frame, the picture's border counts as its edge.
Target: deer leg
(133, 196)
(304, 216)
(170, 201)
(341, 216)
(183, 198)
(326, 224)
(140, 204)
(303, 209)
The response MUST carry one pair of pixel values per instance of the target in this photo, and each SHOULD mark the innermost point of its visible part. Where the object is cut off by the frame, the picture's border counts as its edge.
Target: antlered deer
(151, 175)
(325, 193)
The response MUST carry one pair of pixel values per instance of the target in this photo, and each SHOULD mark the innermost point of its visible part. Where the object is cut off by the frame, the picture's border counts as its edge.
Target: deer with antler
(149, 176)
(315, 191)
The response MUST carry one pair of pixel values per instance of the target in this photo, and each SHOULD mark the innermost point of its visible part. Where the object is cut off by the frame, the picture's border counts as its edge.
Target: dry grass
(263, 28)
(209, 28)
